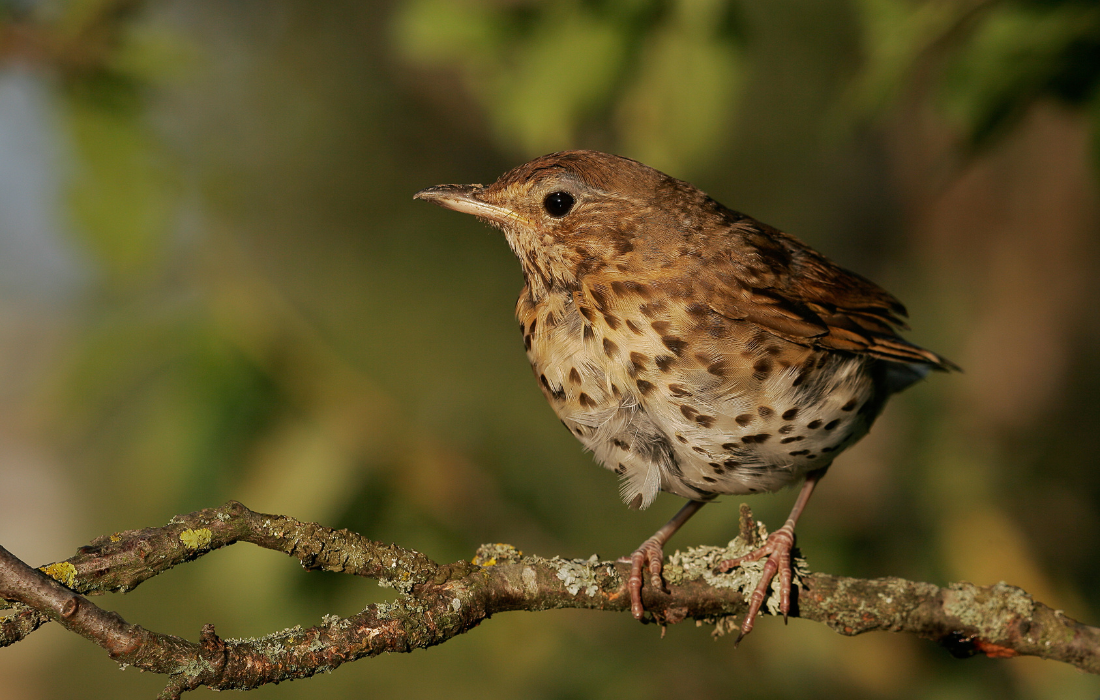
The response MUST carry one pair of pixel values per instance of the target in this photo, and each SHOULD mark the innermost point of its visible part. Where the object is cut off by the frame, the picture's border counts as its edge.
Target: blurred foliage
(990, 59)
(272, 319)
(664, 74)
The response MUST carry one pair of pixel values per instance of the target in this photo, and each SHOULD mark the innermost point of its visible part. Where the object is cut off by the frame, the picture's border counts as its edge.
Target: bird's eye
(558, 204)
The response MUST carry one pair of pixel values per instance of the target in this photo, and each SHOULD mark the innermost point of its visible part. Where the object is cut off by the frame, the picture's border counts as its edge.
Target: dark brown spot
(574, 375)
(688, 411)
(622, 246)
(731, 464)
(744, 419)
(609, 347)
(811, 456)
(620, 444)
(644, 387)
(588, 332)
(759, 438)
(852, 403)
(676, 345)
(831, 448)
(621, 469)
(678, 390)
(718, 368)
(799, 379)
(698, 449)
(799, 452)
(664, 362)
(599, 297)
(717, 327)
(796, 438)
(764, 411)
(696, 309)
(705, 421)
(587, 313)
(761, 369)
(637, 363)
(527, 342)
(633, 328)
(611, 321)
(814, 424)
(586, 400)
(681, 438)
(786, 429)
(615, 391)
(621, 287)
(832, 424)
(710, 480)
(772, 350)
(579, 432)
(660, 326)
(718, 469)
(729, 446)
(790, 414)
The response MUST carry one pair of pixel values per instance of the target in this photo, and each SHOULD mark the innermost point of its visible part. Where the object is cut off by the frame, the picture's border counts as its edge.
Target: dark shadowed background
(215, 284)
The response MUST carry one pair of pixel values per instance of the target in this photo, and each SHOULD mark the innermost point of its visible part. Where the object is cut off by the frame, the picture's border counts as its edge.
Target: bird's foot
(778, 551)
(650, 555)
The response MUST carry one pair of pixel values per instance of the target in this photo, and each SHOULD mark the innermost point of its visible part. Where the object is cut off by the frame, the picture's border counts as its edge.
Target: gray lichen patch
(993, 608)
(274, 645)
(700, 562)
(580, 574)
(335, 622)
(402, 581)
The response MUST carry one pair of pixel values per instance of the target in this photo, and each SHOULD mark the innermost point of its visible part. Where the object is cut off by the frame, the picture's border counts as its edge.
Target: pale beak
(467, 199)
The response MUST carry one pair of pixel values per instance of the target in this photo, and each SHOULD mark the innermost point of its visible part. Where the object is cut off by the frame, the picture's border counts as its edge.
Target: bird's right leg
(652, 552)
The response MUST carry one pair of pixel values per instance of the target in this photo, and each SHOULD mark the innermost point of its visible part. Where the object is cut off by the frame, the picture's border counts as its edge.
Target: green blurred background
(214, 284)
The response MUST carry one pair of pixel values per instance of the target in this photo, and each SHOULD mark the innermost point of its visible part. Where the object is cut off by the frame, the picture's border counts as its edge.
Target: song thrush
(692, 348)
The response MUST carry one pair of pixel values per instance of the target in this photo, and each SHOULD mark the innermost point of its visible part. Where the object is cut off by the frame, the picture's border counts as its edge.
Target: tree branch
(438, 602)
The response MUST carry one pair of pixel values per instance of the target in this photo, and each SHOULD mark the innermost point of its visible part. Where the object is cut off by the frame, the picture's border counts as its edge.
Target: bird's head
(570, 213)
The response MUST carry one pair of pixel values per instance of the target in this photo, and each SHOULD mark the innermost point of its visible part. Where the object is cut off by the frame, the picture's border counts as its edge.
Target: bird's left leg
(778, 551)
(653, 552)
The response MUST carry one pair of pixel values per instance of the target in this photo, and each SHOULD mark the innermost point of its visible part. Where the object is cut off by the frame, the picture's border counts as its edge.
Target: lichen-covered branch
(441, 601)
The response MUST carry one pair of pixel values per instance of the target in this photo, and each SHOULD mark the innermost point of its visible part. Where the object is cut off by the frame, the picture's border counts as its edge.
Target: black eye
(558, 204)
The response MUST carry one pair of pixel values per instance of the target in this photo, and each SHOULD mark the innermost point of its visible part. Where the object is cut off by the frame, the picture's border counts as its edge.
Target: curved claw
(650, 552)
(778, 551)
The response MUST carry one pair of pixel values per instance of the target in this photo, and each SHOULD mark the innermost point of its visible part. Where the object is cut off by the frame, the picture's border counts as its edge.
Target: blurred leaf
(1017, 54)
(988, 61)
(669, 71)
(896, 35)
(678, 106)
(123, 197)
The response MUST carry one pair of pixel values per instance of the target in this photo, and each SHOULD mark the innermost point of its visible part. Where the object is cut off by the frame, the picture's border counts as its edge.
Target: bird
(691, 348)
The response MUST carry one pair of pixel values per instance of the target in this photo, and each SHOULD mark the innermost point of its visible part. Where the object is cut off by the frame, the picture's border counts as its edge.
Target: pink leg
(652, 551)
(778, 551)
